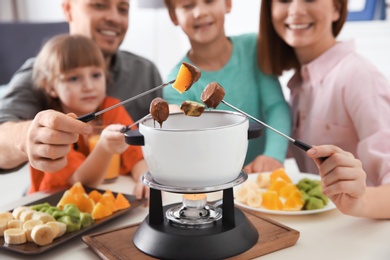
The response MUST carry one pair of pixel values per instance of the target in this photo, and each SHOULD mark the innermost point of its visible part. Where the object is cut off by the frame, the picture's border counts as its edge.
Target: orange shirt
(45, 181)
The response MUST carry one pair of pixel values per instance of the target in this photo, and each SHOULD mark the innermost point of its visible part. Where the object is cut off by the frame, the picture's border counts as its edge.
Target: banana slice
(263, 179)
(26, 215)
(17, 211)
(3, 226)
(192, 108)
(15, 223)
(243, 192)
(44, 217)
(254, 199)
(59, 228)
(15, 236)
(6, 215)
(42, 234)
(29, 225)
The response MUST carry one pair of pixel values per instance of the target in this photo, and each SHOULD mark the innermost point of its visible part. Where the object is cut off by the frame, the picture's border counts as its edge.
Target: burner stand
(228, 236)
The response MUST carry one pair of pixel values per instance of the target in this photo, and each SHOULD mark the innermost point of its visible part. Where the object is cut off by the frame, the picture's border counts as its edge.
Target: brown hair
(170, 4)
(274, 55)
(61, 54)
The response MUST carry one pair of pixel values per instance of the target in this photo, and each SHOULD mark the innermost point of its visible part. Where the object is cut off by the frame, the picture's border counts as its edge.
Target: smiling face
(104, 21)
(80, 90)
(305, 25)
(201, 20)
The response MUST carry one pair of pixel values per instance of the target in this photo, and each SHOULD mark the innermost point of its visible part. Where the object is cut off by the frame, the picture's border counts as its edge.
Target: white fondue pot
(194, 152)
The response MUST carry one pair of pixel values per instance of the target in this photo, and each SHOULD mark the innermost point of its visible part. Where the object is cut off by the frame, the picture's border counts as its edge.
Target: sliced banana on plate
(29, 225)
(15, 236)
(59, 228)
(42, 234)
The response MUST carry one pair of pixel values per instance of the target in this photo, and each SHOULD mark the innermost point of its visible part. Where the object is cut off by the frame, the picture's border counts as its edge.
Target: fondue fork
(93, 115)
(128, 127)
(296, 142)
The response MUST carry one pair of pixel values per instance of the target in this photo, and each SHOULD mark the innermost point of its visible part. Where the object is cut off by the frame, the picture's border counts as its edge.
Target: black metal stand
(230, 236)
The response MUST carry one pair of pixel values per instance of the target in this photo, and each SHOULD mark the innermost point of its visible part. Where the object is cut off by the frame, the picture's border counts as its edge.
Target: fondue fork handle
(128, 127)
(91, 116)
(296, 142)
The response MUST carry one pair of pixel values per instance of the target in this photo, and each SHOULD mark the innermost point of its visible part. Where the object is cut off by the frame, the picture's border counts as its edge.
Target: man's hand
(49, 138)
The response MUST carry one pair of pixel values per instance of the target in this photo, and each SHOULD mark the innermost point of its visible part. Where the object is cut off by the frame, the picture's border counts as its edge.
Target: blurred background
(152, 35)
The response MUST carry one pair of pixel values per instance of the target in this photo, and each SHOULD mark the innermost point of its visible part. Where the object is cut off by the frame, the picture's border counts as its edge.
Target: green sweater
(248, 89)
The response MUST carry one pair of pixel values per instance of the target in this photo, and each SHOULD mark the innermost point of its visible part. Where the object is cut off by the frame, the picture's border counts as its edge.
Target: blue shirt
(248, 89)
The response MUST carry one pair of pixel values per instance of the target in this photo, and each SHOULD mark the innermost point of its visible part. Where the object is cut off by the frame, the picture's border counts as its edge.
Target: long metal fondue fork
(296, 142)
(93, 115)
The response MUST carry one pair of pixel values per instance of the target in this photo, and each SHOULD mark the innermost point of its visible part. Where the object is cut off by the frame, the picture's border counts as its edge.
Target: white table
(328, 235)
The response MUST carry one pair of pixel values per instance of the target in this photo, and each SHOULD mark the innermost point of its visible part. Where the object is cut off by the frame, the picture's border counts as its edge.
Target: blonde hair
(61, 54)
(274, 55)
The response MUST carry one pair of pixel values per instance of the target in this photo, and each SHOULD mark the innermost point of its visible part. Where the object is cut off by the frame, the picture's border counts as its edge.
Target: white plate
(295, 179)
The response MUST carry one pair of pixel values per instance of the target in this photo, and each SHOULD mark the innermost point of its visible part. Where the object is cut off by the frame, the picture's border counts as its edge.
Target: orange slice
(279, 173)
(121, 202)
(109, 201)
(84, 203)
(294, 201)
(77, 188)
(271, 201)
(287, 190)
(101, 211)
(95, 195)
(67, 198)
(278, 185)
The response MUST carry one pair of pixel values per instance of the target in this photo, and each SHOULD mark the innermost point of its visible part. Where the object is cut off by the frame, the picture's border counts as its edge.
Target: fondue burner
(194, 229)
(194, 213)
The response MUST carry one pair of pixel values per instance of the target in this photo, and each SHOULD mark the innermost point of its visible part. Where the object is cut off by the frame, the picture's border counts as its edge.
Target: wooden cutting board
(118, 243)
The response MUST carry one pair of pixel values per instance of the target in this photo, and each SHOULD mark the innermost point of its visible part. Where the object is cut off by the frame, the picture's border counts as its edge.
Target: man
(30, 133)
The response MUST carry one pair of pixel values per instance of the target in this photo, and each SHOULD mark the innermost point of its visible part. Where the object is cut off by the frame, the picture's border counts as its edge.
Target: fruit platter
(279, 193)
(41, 225)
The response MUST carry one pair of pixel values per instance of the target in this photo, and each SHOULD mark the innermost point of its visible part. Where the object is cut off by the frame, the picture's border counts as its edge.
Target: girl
(337, 97)
(70, 71)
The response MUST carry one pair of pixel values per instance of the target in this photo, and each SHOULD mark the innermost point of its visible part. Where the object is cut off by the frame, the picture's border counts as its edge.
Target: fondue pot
(186, 151)
(193, 156)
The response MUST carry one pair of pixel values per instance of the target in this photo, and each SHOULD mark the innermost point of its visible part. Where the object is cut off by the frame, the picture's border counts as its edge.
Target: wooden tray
(118, 243)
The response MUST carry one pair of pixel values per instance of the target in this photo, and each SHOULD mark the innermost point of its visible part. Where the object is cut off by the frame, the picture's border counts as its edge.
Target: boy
(231, 61)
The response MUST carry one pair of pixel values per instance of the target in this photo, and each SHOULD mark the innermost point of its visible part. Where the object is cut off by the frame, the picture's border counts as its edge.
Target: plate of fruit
(41, 225)
(282, 194)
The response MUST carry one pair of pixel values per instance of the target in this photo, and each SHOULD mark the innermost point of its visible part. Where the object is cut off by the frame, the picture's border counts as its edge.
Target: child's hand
(140, 189)
(343, 178)
(112, 140)
(263, 164)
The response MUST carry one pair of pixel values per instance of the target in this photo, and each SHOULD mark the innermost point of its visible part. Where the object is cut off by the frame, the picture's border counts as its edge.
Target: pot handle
(134, 137)
(255, 130)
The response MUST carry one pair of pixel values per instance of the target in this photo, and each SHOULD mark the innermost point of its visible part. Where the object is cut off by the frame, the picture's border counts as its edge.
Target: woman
(337, 97)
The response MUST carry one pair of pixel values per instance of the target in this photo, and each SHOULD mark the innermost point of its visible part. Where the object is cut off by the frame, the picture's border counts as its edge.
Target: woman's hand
(343, 178)
(263, 164)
